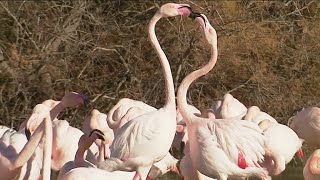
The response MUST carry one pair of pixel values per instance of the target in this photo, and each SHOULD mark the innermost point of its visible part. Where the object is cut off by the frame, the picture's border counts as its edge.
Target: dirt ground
(269, 54)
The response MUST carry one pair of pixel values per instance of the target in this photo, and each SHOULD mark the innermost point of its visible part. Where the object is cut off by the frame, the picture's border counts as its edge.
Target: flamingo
(97, 120)
(213, 141)
(306, 124)
(83, 169)
(229, 108)
(125, 110)
(146, 139)
(64, 142)
(281, 143)
(168, 163)
(254, 114)
(16, 152)
(70, 99)
(311, 170)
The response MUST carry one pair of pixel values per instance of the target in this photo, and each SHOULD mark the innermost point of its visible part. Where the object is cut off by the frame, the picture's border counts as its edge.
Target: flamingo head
(50, 103)
(86, 141)
(72, 99)
(39, 112)
(209, 32)
(172, 9)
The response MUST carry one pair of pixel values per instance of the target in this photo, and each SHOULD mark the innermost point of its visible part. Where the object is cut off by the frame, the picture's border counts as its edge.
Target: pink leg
(136, 176)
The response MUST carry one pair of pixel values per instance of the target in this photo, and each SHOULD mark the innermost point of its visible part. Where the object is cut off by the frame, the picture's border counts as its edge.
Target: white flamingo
(83, 169)
(125, 110)
(97, 120)
(281, 143)
(213, 141)
(229, 108)
(255, 115)
(16, 152)
(146, 139)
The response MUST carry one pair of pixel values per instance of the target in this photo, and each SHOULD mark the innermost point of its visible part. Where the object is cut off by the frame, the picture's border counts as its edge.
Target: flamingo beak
(86, 101)
(300, 154)
(28, 133)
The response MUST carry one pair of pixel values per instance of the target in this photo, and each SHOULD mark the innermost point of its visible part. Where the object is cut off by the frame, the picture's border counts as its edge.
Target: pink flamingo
(229, 108)
(311, 170)
(306, 124)
(281, 143)
(70, 99)
(146, 139)
(97, 120)
(213, 141)
(64, 143)
(83, 169)
(16, 152)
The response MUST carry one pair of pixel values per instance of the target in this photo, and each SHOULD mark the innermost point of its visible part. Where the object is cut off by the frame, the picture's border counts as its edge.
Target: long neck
(32, 144)
(183, 88)
(46, 164)
(56, 110)
(79, 157)
(170, 96)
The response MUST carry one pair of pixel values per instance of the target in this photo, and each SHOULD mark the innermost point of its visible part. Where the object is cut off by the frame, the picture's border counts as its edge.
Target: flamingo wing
(239, 136)
(138, 136)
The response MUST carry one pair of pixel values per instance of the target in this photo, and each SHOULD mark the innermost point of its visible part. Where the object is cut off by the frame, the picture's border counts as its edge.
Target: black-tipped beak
(28, 133)
(86, 101)
(194, 15)
(99, 133)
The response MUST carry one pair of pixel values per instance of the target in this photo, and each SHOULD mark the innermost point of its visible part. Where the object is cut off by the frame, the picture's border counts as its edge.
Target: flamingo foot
(242, 163)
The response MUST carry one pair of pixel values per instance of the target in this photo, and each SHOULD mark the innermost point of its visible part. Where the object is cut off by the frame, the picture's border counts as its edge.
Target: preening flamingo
(311, 170)
(229, 108)
(146, 139)
(16, 152)
(306, 124)
(65, 137)
(125, 110)
(213, 141)
(97, 120)
(83, 169)
(70, 99)
(254, 114)
(281, 143)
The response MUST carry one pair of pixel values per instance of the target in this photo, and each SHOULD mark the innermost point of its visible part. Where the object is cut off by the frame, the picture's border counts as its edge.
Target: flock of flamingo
(133, 140)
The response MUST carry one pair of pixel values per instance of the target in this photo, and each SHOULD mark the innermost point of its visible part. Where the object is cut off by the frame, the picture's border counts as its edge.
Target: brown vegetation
(268, 54)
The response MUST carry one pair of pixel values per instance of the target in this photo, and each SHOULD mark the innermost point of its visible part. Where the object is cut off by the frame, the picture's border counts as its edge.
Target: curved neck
(185, 84)
(79, 157)
(56, 110)
(170, 96)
